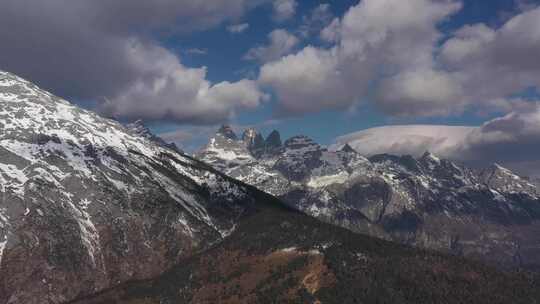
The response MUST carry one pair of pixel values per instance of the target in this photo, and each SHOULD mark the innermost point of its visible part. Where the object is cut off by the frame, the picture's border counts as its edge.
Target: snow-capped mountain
(504, 180)
(427, 201)
(139, 129)
(87, 203)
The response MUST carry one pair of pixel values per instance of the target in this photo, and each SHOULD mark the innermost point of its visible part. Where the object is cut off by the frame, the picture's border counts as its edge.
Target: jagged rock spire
(347, 148)
(139, 128)
(430, 158)
(273, 140)
(227, 132)
(428, 154)
(253, 139)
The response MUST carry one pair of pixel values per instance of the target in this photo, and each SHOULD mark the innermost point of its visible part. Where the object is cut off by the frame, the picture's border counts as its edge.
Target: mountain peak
(249, 133)
(503, 179)
(429, 155)
(347, 148)
(18, 90)
(301, 144)
(140, 128)
(273, 140)
(497, 167)
(497, 170)
(299, 140)
(228, 132)
(430, 159)
(253, 139)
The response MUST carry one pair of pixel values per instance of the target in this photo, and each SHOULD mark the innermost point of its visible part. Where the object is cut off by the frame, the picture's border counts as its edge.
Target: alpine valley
(92, 211)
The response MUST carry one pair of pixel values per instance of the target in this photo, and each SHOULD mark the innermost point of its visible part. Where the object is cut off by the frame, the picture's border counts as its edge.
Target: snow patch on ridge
(326, 180)
(2, 248)
(88, 231)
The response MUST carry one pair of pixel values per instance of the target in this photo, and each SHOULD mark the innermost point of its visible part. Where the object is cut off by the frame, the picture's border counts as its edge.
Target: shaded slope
(277, 256)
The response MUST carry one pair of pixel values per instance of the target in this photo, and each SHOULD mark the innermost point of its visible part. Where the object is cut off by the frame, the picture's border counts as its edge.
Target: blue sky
(224, 59)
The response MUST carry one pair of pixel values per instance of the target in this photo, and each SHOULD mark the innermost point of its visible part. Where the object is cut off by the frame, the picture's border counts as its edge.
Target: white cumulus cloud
(92, 50)
(281, 42)
(284, 9)
(392, 53)
(375, 38)
(174, 92)
(238, 28)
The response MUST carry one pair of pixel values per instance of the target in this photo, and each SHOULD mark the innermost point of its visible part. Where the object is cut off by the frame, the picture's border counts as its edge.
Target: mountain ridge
(400, 198)
(88, 203)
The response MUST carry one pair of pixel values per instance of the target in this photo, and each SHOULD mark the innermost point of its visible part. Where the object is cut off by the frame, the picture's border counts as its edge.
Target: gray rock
(227, 132)
(253, 141)
(138, 128)
(273, 140)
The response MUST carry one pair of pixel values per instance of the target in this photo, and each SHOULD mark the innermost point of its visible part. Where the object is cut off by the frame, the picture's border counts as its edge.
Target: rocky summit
(138, 128)
(491, 214)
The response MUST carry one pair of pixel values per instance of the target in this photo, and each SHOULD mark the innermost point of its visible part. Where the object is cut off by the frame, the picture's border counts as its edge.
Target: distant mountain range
(95, 212)
(490, 214)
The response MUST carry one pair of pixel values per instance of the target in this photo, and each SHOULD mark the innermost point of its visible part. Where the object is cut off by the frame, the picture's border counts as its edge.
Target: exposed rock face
(502, 179)
(273, 140)
(253, 139)
(226, 152)
(348, 149)
(87, 204)
(273, 144)
(227, 132)
(428, 202)
(139, 129)
(300, 156)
